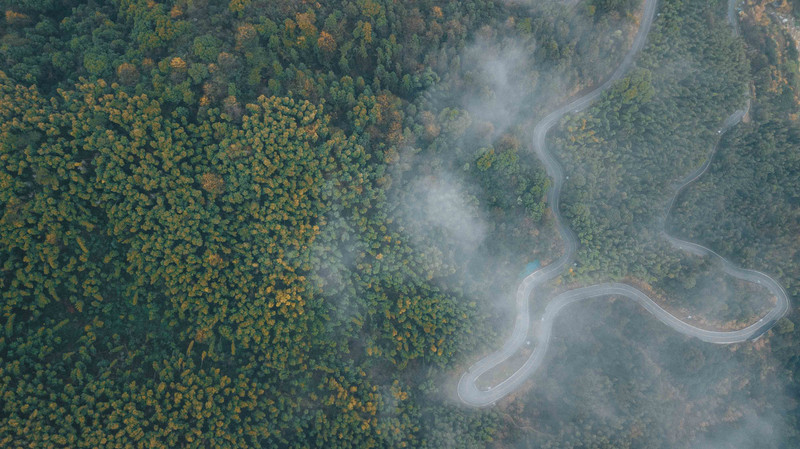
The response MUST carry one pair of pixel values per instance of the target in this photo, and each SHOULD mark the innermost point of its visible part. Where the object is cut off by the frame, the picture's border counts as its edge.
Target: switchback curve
(468, 391)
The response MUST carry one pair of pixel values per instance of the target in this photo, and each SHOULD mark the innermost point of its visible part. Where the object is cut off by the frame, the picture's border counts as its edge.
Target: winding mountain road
(468, 391)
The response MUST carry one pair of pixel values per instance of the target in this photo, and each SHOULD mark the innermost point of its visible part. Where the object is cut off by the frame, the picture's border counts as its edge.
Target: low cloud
(440, 206)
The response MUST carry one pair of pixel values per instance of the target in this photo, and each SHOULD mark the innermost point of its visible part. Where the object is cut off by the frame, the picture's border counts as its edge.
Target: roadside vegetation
(203, 231)
(287, 224)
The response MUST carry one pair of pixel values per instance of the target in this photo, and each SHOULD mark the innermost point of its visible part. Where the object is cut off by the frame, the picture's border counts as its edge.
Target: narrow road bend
(468, 391)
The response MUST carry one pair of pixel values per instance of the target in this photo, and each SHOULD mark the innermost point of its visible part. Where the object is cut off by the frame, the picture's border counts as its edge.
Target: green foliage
(206, 48)
(620, 168)
(616, 6)
(188, 262)
(648, 131)
(745, 207)
(204, 256)
(509, 184)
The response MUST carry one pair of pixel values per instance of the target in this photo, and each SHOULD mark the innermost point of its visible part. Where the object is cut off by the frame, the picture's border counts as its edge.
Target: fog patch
(749, 431)
(439, 205)
(498, 75)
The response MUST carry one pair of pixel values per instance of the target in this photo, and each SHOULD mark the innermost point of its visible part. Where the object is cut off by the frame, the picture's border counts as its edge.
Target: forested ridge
(751, 192)
(648, 131)
(201, 245)
(753, 179)
(622, 156)
(167, 248)
(287, 224)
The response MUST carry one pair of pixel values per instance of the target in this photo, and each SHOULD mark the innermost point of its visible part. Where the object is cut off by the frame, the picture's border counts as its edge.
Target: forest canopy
(290, 224)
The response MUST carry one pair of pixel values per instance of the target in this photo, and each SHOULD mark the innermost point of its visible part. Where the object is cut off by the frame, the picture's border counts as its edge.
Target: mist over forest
(294, 224)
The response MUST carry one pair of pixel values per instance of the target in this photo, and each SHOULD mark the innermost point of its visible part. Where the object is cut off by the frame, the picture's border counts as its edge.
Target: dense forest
(622, 157)
(205, 240)
(291, 224)
(648, 131)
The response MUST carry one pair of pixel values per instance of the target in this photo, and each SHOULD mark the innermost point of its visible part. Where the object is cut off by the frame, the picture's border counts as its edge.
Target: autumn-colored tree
(326, 42)
(127, 73)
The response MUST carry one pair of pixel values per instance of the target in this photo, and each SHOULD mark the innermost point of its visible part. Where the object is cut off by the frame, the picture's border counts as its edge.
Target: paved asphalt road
(467, 389)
